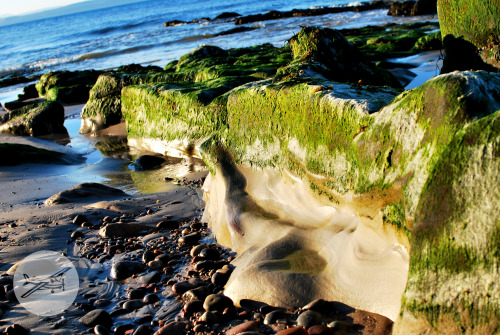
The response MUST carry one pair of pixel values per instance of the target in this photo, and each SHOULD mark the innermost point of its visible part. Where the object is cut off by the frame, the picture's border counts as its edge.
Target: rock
(320, 330)
(325, 53)
(148, 162)
(199, 293)
(154, 264)
(123, 269)
(151, 298)
(309, 318)
(403, 8)
(29, 92)
(181, 287)
(210, 253)
(18, 104)
(84, 192)
(190, 239)
(195, 251)
(244, 327)
(192, 307)
(473, 22)
(227, 15)
(77, 234)
(217, 303)
(67, 86)
(413, 8)
(22, 154)
(136, 293)
(79, 219)
(148, 256)
(293, 331)
(172, 328)
(150, 278)
(462, 55)
(272, 317)
(340, 326)
(220, 277)
(41, 119)
(16, 329)
(168, 224)
(133, 304)
(97, 317)
(123, 229)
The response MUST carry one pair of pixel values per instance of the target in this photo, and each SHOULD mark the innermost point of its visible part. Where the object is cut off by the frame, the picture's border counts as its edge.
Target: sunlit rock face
(293, 248)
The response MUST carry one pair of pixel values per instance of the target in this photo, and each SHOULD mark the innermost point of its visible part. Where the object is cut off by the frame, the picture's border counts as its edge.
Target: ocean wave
(104, 31)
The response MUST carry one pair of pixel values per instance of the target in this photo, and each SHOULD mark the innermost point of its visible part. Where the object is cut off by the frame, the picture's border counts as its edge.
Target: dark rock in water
(227, 15)
(326, 53)
(148, 256)
(183, 286)
(67, 86)
(148, 162)
(173, 23)
(84, 191)
(123, 229)
(132, 305)
(413, 8)
(29, 92)
(137, 293)
(151, 298)
(123, 329)
(235, 31)
(18, 104)
(309, 318)
(15, 80)
(168, 224)
(123, 269)
(97, 317)
(217, 303)
(39, 119)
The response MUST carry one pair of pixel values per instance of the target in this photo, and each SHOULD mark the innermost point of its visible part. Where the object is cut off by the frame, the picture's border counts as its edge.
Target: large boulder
(67, 86)
(46, 118)
(413, 8)
(85, 192)
(474, 24)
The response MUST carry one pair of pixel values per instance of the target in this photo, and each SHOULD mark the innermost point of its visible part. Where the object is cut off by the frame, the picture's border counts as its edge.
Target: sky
(21, 7)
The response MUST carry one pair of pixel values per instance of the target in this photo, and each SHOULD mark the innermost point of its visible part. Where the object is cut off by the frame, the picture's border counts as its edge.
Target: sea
(134, 33)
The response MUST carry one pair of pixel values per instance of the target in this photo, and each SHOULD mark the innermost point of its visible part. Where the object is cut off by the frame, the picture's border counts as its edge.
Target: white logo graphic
(46, 283)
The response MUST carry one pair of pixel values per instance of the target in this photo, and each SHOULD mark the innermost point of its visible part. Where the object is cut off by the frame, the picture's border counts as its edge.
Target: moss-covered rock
(325, 53)
(45, 118)
(67, 86)
(475, 22)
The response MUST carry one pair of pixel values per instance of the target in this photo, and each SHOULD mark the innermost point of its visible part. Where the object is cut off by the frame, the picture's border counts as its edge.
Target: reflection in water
(292, 248)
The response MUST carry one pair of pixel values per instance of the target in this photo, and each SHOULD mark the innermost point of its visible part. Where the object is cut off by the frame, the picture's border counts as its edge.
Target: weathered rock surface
(84, 192)
(413, 8)
(39, 119)
(16, 154)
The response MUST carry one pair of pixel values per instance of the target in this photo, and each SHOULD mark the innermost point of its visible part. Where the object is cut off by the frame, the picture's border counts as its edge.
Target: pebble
(184, 286)
(272, 317)
(79, 219)
(77, 234)
(309, 318)
(143, 330)
(190, 239)
(148, 256)
(244, 327)
(340, 326)
(172, 328)
(150, 278)
(155, 264)
(210, 317)
(151, 298)
(123, 269)
(293, 331)
(319, 330)
(199, 293)
(133, 304)
(210, 253)
(97, 317)
(217, 303)
(16, 329)
(195, 251)
(136, 293)
(191, 307)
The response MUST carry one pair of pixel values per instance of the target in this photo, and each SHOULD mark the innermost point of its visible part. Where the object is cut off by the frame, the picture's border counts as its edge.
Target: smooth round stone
(77, 234)
(100, 330)
(220, 279)
(163, 258)
(210, 317)
(195, 251)
(123, 269)
(155, 264)
(191, 307)
(79, 219)
(132, 305)
(319, 330)
(184, 286)
(210, 253)
(149, 278)
(190, 239)
(272, 317)
(136, 293)
(339, 326)
(248, 326)
(309, 318)
(101, 303)
(217, 303)
(16, 329)
(97, 317)
(293, 331)
(143, 330)
(151, 298)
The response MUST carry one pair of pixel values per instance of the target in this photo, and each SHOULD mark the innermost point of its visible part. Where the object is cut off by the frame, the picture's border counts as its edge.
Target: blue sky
(21, 7)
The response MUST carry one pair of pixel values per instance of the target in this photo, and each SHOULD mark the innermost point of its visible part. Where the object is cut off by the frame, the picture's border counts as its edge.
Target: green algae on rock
(40, 119)
(67, 86)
